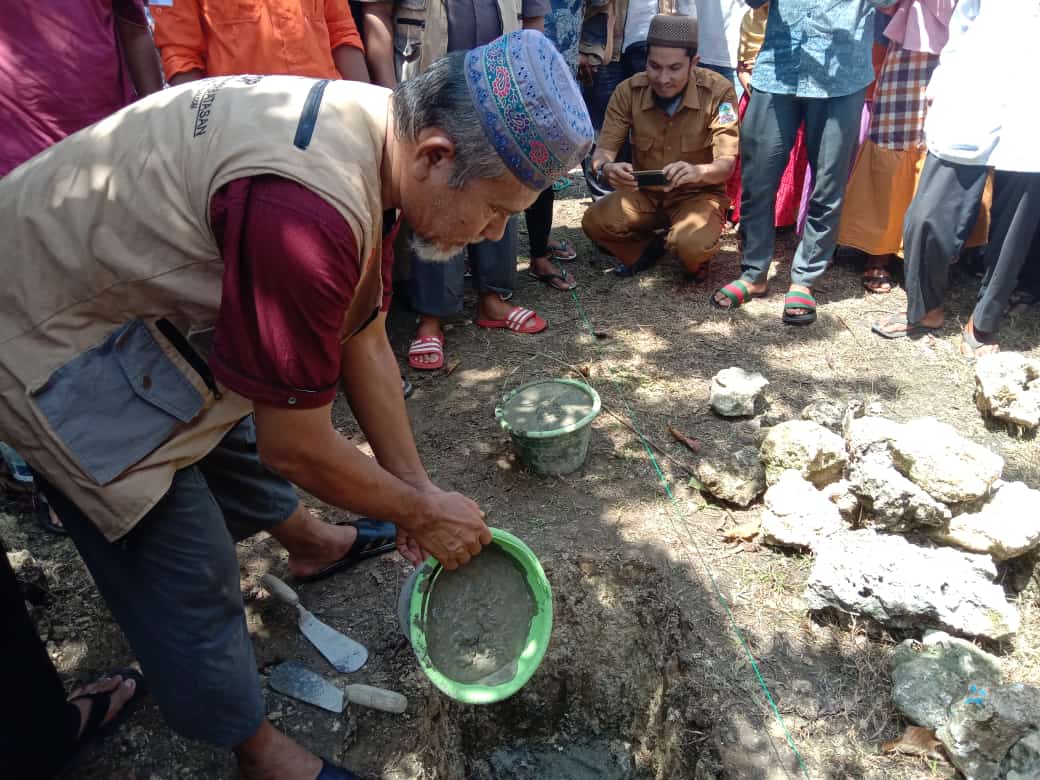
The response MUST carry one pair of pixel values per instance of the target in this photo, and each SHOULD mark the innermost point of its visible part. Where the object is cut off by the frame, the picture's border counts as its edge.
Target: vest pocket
(114, 404)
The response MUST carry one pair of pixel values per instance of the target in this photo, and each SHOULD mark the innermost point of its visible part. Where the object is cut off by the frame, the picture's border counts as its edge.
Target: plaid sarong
(899, 102)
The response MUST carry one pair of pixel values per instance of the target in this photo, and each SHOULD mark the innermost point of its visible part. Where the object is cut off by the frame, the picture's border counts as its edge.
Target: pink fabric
(60, 70)
(921, 25)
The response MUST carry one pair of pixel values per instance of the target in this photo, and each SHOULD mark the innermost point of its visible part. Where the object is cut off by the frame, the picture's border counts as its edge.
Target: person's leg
(696, 228)
(172, 583)
(435, 291)
(598, 93)
(1014, 219)
(938, 222)
(252, 498)
(727, 73)
(831, 138)
(623, 223)
(767, 135)
(539, 226)
(494, 274)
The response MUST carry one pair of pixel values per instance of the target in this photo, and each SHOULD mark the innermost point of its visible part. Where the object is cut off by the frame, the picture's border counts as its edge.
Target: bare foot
(312, 544)
(492, 307)
(121, 692)
(428, 326)
(544, 267)
(897, 325)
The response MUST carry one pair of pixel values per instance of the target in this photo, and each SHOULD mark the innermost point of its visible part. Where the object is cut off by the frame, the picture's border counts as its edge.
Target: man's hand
(586, 70)
(451, 528)
(744, 77)
(410, 549)
(620, 176)
(682, 174)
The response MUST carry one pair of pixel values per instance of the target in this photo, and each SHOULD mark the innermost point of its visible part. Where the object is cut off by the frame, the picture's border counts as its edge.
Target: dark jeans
(767, 136)
(37, 726)
(172, 583)
(608, 76)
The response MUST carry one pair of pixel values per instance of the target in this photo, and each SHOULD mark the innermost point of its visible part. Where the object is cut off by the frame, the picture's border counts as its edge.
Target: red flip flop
(519, 320)
(426, 345)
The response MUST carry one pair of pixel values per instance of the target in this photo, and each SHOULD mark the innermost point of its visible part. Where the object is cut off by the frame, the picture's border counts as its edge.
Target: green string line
(676, 507)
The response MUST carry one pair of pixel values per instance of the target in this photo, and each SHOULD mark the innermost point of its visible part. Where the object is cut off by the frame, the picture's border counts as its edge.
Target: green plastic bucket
(550, 423)
(412, 612)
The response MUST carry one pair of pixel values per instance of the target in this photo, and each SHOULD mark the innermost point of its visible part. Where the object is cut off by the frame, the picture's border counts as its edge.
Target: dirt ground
(645, 676)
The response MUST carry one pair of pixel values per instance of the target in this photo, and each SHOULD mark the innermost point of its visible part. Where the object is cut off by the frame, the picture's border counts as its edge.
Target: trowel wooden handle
(376, 698)
(277, 588)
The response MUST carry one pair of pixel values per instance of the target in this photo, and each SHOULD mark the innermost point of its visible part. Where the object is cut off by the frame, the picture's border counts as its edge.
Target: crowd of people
(196, 269)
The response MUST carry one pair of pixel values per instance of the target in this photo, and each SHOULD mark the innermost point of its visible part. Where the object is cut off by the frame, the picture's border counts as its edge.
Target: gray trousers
(938, 222)
(767, 136)
(437, 289)
(172, 584)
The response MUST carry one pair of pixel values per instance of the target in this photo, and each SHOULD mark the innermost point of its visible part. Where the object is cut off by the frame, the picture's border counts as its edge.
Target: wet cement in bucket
(546, 406)
(478, 617)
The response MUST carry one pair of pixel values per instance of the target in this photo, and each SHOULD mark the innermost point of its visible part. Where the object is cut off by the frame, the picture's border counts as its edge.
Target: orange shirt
(228, 37)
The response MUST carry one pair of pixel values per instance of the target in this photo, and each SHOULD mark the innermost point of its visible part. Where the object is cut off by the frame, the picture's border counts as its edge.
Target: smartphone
(650, 178)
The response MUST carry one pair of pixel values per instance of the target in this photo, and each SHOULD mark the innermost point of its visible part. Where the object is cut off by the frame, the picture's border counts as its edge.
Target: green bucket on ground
(550, 423)
(412, 614)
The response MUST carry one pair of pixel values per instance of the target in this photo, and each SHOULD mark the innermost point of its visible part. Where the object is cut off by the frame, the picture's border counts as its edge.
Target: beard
(429, 252)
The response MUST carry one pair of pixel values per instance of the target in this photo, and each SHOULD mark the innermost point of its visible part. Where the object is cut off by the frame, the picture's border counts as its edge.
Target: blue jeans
(437, 289)
(767, 136)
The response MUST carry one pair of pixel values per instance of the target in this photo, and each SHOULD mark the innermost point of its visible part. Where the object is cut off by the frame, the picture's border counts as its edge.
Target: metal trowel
(342, 652)
(296, 680)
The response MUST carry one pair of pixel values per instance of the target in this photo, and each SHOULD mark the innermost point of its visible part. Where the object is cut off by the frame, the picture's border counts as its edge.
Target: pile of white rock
(906, 520)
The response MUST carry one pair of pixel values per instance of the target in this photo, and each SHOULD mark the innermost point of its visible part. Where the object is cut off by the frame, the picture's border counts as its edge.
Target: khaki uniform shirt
(702, 129)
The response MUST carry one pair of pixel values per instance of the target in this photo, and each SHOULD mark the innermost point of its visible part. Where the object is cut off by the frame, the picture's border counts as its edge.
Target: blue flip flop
(375, 537)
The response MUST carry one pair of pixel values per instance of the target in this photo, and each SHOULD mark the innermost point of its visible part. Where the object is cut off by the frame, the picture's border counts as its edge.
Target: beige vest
(421, 32)
(108, 232)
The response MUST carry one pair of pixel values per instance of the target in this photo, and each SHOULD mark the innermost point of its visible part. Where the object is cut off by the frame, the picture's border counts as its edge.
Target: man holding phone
(683, 125)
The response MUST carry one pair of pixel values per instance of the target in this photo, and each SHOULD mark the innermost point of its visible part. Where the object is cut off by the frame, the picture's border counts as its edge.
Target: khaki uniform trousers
(623, 223)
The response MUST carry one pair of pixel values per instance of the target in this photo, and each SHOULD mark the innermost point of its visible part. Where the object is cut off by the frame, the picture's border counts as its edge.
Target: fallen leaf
(693, 445)
(744, 532)
(915, 741)
(451, 367)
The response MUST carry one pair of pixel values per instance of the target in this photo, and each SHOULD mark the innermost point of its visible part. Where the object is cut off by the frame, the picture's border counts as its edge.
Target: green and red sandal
(738, 293)
(799, 300)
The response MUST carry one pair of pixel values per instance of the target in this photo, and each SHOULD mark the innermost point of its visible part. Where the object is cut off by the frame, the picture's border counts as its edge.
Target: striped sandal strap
(736, 291)
(799, 300)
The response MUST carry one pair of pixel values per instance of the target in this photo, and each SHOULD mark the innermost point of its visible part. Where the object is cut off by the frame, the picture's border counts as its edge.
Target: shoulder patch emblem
(727, 115)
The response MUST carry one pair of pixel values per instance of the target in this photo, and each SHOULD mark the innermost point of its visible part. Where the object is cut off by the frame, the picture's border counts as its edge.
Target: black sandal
(95, 728)
(42, 509)
(374, 537)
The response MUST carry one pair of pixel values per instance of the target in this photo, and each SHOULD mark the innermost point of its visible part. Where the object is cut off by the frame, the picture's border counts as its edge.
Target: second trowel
(342, 652)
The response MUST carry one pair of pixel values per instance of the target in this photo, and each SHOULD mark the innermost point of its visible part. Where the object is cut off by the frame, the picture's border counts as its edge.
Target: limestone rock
(866, 435)
(901, 585)
(1007, 387)
(1006, 526)
(925, 681)
(1022, 762)
(983, 727)
(896, 503)
(797, 514)
(807, 447)
(825, 412)
(735, 392)
(840, 494)
(949, 467)
(739, 478)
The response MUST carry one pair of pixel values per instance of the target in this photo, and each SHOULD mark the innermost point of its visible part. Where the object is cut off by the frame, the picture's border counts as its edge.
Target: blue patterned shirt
(816, 48)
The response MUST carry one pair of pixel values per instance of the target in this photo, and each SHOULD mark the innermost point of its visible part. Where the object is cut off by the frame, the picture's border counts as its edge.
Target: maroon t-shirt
(290, 271)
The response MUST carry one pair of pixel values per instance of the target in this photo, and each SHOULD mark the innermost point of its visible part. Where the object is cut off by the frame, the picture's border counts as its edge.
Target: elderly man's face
(445, 219)
(668, 70)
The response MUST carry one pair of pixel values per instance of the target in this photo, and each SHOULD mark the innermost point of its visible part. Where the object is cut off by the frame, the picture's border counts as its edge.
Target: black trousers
(1013, 228)
(37, 726)
(539, 222)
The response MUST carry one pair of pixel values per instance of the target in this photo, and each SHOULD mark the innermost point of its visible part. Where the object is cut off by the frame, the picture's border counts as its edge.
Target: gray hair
(440, 98)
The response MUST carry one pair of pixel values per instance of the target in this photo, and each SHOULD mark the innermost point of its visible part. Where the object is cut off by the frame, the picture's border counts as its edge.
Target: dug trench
(611, 700)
